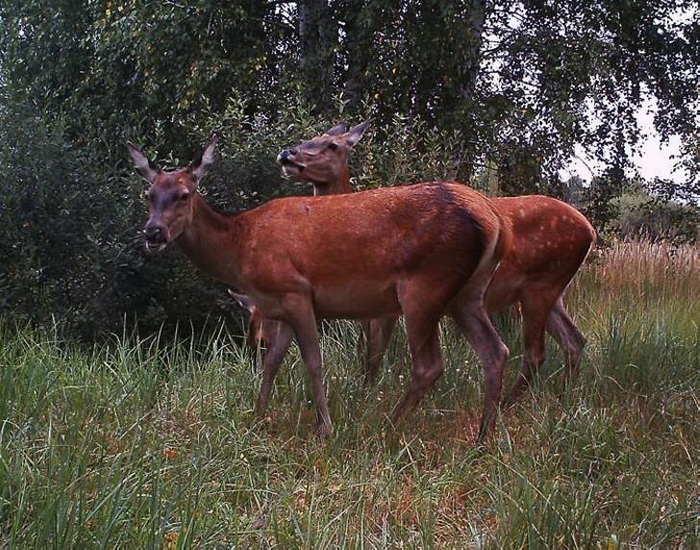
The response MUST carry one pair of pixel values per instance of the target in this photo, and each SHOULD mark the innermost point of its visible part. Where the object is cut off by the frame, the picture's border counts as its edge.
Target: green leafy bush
(73, 209)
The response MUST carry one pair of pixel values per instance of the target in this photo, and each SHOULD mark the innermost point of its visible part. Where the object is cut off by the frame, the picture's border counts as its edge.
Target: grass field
(148, 443)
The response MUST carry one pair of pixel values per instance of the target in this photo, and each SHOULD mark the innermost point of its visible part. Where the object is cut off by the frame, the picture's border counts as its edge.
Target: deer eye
(332, 146)
(184, 196)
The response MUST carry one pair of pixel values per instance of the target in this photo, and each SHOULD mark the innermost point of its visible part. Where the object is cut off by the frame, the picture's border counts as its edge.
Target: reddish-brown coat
(327, 247)
(550, 240)
(378, 253)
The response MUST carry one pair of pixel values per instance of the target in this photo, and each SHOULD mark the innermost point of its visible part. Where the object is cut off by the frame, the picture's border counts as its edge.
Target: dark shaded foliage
(495, 94)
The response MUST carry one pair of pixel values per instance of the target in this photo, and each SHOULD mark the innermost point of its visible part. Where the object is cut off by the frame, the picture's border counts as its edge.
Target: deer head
(323, 160)
(170, 195)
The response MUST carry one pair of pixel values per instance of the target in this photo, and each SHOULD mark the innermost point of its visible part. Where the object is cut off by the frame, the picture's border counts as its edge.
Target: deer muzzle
(289, 166)
(156, 237)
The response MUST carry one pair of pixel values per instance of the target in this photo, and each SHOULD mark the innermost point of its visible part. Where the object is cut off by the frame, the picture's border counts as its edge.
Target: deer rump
(351, 255)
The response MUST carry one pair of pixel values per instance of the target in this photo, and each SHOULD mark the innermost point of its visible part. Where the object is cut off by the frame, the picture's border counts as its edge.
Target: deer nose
(154, 233)
(284, 155)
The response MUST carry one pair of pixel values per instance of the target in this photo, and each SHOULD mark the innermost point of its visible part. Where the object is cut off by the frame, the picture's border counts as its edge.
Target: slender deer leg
(422, 315)
(376, 337)
(302, 318)
(272, 359)
(469, 312)
(262, 332)
(475, 325)
(535, 309)
(568, 336)
(424, 342)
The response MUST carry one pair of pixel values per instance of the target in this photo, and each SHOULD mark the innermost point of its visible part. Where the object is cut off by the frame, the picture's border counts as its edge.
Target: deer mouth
(156, 236)
(292, 169)
(155, 247)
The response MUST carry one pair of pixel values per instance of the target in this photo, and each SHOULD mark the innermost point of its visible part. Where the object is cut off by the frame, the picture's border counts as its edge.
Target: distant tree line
(494, 94)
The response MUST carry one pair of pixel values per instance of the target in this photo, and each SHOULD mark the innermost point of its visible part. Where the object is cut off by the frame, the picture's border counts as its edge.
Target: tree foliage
(496, 94)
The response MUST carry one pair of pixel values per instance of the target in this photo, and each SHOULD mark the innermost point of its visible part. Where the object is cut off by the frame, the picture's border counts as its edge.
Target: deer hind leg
(277, 347)
(536, 307)
(422, 317)
(568, 336)
(300, 314)
(469, 313)
(475, 325)
(375, 338)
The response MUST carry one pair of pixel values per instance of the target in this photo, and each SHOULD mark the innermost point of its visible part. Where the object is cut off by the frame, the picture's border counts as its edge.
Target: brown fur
(377, 253)
(550, 240)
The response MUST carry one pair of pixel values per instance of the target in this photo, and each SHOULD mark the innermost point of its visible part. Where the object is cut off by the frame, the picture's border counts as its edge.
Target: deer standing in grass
(550, 240)
(407, 250)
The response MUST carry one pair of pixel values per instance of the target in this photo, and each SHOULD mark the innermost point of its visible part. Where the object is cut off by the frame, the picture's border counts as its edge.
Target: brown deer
(551, 239)
(417, 250)
(261, 331)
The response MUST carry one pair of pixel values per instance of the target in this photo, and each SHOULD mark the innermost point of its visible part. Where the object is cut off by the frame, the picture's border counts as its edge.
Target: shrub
(73, 209)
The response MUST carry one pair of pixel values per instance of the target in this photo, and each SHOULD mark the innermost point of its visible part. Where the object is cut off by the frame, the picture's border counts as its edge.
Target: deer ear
(200, 167)
(354, 135)
(243, 300)
(337, 130)
(146, 169)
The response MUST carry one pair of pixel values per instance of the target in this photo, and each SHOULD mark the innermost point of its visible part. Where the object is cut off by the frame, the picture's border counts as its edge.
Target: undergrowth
(151, 443)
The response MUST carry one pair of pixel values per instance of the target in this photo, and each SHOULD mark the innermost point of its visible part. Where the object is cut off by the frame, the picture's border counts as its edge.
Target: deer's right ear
(354, 134)
(146, 169)
(243, 300)
(201, 166)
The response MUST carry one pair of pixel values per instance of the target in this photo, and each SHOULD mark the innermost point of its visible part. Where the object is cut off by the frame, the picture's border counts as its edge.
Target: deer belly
(359, 301)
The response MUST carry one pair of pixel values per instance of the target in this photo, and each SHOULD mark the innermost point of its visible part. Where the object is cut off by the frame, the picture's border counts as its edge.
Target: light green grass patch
(152, 443)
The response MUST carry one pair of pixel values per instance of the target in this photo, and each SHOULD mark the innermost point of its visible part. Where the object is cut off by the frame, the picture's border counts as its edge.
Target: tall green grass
(148, 443)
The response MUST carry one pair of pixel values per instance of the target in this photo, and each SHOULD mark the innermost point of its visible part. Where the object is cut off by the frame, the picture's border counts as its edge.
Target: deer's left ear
(337, 130)
(146, 169)
(200, 167)
(354, 135)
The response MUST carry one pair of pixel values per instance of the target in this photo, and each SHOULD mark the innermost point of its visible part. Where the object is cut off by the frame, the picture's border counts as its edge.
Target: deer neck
(211, 242)
(337, 185)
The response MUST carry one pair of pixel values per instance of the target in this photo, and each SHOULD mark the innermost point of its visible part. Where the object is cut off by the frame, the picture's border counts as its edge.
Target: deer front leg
(277, 347)
(536, 307)
(300, 314)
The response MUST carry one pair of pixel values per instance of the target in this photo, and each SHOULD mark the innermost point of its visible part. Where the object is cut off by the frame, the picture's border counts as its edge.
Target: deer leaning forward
(403, 250)
(550, 241)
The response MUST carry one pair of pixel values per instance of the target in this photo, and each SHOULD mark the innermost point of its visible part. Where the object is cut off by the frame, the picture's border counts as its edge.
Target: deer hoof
(323, 431)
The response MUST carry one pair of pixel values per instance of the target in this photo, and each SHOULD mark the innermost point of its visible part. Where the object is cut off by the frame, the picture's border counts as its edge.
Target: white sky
(654, 159)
